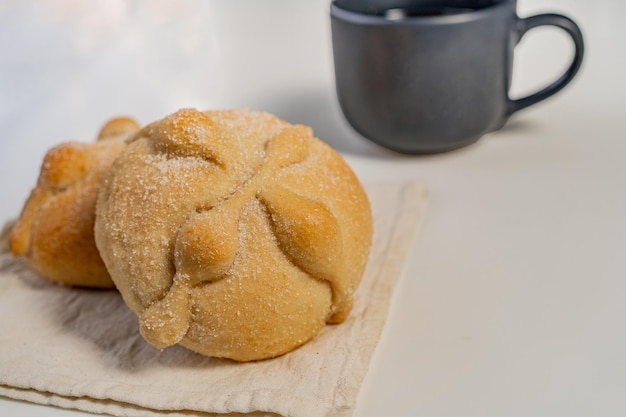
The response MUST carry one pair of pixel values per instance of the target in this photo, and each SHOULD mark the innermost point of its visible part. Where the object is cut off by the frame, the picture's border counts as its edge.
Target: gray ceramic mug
(427, 76)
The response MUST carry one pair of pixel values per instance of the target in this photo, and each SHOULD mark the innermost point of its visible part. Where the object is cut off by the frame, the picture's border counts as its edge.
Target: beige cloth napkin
(81, 349)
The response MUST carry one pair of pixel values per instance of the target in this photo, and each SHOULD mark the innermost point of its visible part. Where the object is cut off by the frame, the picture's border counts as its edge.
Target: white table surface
(513, 298)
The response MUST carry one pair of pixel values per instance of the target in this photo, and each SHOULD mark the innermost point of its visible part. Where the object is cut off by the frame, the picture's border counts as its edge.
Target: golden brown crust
(233, 233)
(54, 233)
(119, 126)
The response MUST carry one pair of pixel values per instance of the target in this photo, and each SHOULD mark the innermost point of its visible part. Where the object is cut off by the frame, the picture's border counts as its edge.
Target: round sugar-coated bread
(233, 233)
(54, 233)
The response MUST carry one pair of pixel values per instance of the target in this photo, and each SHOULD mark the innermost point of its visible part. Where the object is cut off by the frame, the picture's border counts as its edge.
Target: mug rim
(371, 19)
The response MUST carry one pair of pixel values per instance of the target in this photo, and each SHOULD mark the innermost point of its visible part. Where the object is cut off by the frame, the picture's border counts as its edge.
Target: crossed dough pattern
(233, 233)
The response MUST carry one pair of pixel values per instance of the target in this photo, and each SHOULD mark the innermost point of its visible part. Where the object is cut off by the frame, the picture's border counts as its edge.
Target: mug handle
(572, 29)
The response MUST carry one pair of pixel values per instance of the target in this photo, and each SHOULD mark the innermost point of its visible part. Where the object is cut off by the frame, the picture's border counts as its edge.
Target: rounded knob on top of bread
(232, 233)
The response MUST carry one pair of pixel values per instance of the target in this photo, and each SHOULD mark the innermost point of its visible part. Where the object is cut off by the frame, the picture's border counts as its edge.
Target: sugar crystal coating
(233, 233)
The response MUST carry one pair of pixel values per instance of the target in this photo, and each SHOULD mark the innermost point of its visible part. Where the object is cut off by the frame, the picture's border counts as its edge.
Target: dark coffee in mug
(426, 76)
(397, 14)
(433, 8)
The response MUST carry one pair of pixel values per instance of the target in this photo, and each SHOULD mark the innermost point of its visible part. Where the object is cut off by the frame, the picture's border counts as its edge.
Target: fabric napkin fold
(81, 349)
